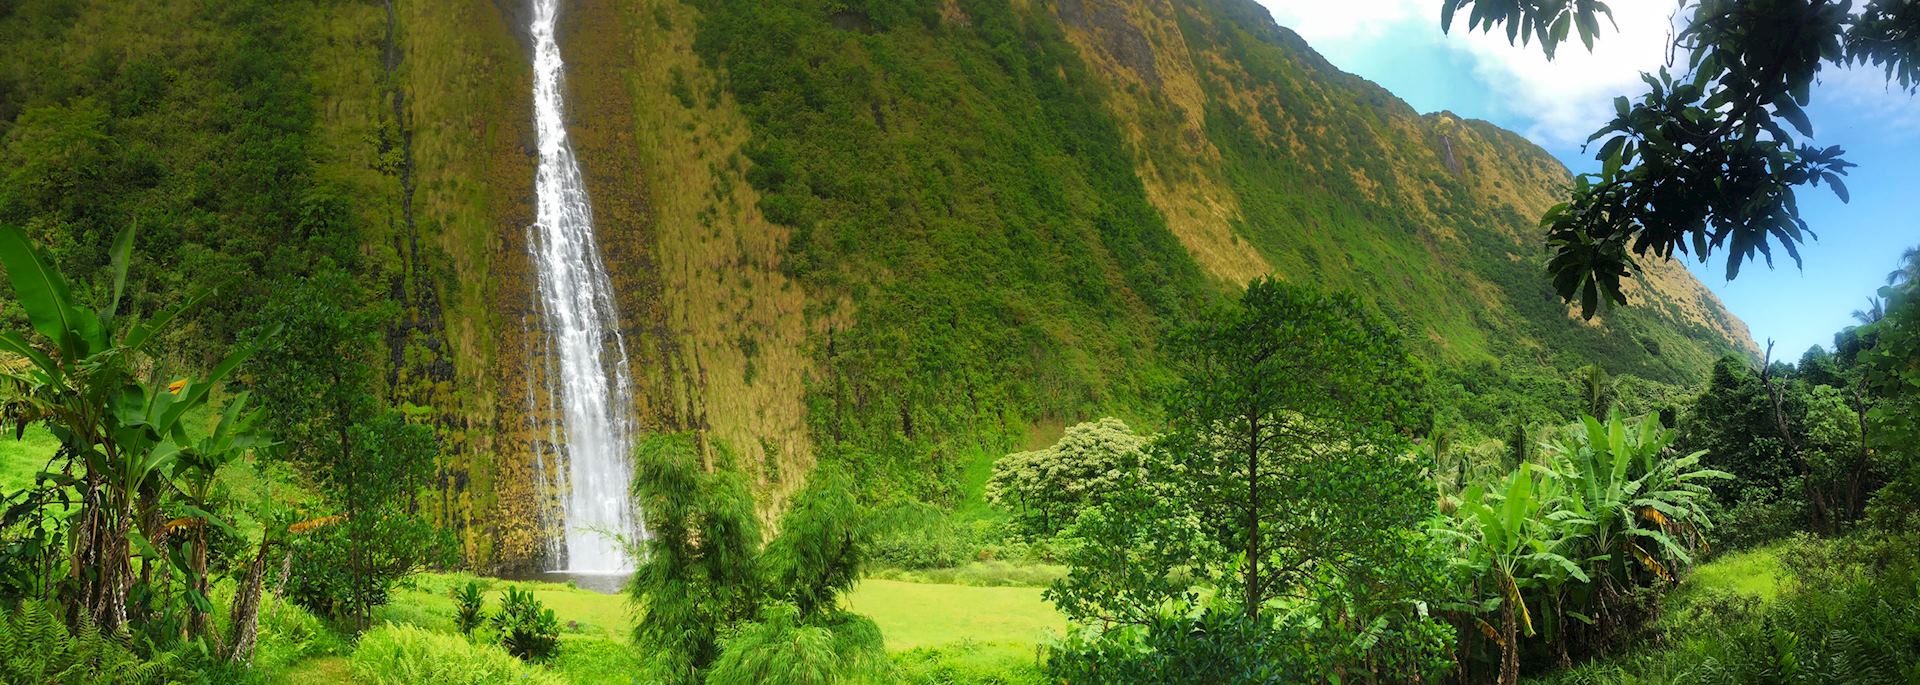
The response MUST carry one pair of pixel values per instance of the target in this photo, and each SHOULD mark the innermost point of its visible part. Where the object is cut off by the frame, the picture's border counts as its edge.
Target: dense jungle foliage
(1048, 439)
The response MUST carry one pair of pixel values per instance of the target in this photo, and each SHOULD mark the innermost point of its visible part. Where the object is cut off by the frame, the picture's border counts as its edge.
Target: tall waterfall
(586, 359)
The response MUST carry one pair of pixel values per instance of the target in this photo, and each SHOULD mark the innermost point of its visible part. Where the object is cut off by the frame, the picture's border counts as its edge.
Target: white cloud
(1571, 96)
(1336, 21)
(1565, 99)
(1869, 98)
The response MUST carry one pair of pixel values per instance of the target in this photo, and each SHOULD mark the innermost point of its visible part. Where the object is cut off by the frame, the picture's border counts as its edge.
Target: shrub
(468, 602)
(968, 664)
(1219, 645)
(1046, 488)
(916, 535)
(784, 650)
(405, 655)
(980, 574)
(35, 647)
(527, 629)
(342, 572)
(1852, 616)
(289, 634)
(590, 660)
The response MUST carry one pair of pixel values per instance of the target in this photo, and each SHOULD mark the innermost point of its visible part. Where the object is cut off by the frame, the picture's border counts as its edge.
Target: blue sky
(1398, 44)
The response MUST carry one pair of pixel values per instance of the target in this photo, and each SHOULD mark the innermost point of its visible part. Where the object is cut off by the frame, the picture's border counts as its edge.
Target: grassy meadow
(935, 633)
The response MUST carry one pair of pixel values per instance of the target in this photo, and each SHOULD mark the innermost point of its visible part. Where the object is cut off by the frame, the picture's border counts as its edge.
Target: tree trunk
(246, 607)
(1822, 515)
(100, 562)
(1509, 645)
(200, 623)
(1856, 479)
(1253, 518)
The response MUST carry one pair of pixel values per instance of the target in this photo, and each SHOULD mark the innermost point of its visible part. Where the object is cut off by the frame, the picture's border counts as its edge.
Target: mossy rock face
(888, 236)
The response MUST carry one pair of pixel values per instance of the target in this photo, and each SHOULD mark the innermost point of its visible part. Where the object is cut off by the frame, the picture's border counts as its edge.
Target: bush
(405, 655)
(590, 660)
(968, 664)
(35, 647)
(1220, 645)
(1851, 616)
(916, 535)
(527, 629)
(783, 650)
(342, 572)
(1760, 514)
(469, 600)
(289, 634)
(981, 574)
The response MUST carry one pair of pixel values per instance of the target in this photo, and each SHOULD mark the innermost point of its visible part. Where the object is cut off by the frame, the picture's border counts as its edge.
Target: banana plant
(199, 468)
(1514, 536)
(1646, 507)
(81, 379)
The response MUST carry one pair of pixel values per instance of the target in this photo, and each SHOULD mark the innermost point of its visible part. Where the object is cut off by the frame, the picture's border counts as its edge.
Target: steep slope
(1333, 179)
(888, 235)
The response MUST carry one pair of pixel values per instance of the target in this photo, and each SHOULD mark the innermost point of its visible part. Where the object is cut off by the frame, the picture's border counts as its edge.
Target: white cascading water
(587, 380)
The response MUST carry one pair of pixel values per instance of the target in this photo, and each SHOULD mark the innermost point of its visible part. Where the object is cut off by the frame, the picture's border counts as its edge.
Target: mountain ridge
(886, 235)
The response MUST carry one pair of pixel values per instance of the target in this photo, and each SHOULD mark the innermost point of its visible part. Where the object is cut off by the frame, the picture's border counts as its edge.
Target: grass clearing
(937, 633)
(426, 601)
(20, 459)
(922, 615)
(910, 614)
(1755, 573)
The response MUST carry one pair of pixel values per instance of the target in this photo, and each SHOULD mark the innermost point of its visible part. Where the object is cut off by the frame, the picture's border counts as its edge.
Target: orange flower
(175, 386)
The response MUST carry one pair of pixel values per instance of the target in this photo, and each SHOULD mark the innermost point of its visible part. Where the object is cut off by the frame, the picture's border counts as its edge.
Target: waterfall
(587, 384)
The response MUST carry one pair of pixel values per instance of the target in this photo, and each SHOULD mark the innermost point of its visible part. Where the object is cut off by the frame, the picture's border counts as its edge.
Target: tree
(1638, 511)
(702, 575)
(90, 377)
(1890, 364)
(1711, 160)
(1609, 511)
(318, 384)
(1509, 538)
(1287, 483)
(697, 575)
(1288, 426)
(200, 464)
(1800, 438)
(1047, 488)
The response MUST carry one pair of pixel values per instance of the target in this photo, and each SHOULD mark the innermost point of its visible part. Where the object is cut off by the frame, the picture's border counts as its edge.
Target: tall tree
(1290, 424)
(319, 386)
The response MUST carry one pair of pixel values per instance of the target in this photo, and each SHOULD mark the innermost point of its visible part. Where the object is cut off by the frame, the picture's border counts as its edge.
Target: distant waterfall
(586, 359)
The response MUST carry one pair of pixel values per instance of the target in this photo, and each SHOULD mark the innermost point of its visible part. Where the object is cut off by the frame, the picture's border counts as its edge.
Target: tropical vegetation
(977, 341)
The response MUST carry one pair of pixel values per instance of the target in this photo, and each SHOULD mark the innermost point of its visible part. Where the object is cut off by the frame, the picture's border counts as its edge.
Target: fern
(35, 647)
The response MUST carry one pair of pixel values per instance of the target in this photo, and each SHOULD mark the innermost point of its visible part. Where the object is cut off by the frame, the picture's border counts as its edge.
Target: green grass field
(1755, 573)
(20, 459)
(910, 614)
(923, 615)
(938, 633)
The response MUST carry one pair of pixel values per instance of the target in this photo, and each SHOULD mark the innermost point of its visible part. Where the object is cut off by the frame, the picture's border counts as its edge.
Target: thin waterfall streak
(589, 391)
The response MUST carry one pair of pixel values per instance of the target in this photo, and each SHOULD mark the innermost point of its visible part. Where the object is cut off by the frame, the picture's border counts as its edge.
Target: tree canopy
(1711, 159)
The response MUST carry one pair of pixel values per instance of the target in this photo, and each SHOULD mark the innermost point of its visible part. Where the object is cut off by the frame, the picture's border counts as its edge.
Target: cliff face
(1252, 154)
(887, 234)
(1243, 131)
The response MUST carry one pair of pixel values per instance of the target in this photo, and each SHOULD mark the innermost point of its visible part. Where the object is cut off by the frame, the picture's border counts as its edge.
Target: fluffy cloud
(1334, 22)
(1564, 100)
(1572, 95)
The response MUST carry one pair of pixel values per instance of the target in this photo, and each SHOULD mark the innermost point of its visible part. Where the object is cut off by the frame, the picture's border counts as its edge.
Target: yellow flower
(175, 386)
